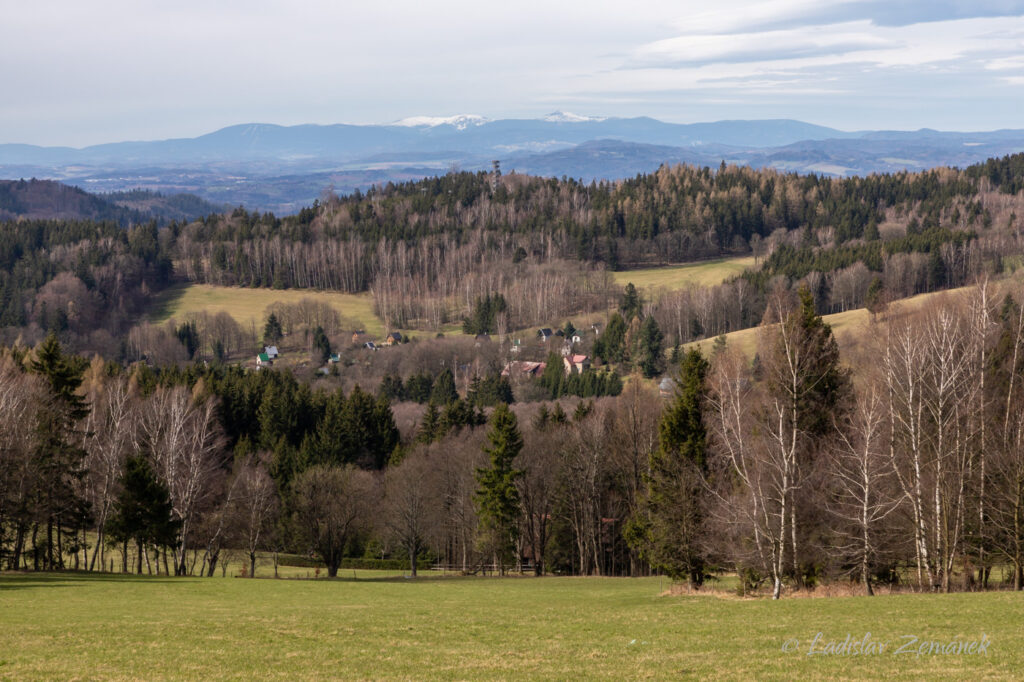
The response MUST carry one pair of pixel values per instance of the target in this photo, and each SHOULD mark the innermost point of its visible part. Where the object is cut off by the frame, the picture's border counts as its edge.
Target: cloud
(82, 73)
(699, 49)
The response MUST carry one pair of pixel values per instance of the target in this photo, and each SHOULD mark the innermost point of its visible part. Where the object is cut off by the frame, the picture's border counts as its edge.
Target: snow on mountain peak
(567, 117)
(461, 122)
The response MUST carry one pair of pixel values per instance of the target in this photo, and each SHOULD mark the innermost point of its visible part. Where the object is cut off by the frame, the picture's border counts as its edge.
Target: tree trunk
(138, 562)
(252, 564)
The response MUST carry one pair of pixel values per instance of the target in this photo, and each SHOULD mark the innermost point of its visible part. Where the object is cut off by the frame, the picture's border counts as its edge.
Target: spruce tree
(611, 345)
(649, 358)
(667, 528)
(444, 390)
(430, 425)
(497, 498)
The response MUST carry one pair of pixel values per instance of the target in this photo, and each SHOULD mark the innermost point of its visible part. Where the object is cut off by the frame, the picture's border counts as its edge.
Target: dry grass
(848, 327)
(250, 305)
(703, 273)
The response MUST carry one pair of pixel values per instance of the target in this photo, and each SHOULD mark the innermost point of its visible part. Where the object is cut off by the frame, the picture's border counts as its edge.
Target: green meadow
(94, 626)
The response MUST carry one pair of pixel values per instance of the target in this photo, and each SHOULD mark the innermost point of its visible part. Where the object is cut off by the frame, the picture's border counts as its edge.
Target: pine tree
(59, 459)
(272, 332)
(650, 359)
(321, 346)
(430, 425)
(142, 511)
(631, 305)
(444, 390)
(497, 498)
(667, 528)
(611, 345)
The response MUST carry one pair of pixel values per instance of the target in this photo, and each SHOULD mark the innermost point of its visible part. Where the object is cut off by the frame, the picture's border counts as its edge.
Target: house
(524, 369)
(271, 352)
(577, 362)
(516, 345)
(576, 338)
(263, 360)
(334, 358)
(544, 334)
(392, 339)
(370, 345)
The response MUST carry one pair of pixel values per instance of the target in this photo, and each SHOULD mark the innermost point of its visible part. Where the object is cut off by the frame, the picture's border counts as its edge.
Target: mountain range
(282, 168)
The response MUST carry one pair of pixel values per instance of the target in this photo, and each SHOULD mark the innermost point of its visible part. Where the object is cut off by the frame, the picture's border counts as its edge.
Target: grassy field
(114, 627)
(844, 325)
(247, 305)
(704, 273)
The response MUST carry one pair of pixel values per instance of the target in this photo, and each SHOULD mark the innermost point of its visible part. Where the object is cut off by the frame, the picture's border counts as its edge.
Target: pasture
(848, 326)
(701, 273)
(249, 305)
(95, 626)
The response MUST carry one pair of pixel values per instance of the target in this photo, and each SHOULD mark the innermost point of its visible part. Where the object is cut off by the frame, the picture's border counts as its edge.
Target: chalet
(576, 338)
(577, 362)
(524, 369)
(392, 339)
(370, 345)
(263, 360)
(271, 352)
(334, 358)
(544, 334)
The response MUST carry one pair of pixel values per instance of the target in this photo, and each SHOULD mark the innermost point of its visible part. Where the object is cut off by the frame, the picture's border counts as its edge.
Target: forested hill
(51, 200)
(676, 214)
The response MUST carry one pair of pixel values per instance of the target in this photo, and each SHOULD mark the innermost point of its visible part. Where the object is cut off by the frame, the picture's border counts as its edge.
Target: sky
(77, 73)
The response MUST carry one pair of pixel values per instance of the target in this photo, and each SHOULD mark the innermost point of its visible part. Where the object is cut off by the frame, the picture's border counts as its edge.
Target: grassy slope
(250, 304)
(703, 273)
(113, 627)
(843, 324)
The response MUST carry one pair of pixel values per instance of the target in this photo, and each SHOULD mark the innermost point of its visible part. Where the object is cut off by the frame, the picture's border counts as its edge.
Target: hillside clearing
(846, 326)
(98, 626)
(250, 305)
(703, 273)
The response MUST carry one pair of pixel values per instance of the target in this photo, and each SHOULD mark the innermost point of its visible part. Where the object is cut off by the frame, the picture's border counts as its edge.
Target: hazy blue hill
(282, 168)
(50, 200)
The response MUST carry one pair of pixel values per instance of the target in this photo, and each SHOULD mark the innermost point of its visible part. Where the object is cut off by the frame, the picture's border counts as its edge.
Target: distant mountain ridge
(51, 200)
(283, 168)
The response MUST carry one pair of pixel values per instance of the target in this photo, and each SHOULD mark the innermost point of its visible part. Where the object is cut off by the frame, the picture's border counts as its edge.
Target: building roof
(263, 357)
(270, 350)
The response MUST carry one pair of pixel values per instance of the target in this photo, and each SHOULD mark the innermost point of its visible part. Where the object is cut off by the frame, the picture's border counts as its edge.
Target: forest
(898, 463)
(427, 251)
(611, 448)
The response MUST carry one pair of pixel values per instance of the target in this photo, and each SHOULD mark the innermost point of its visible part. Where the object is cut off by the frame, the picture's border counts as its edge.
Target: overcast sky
(76, 74)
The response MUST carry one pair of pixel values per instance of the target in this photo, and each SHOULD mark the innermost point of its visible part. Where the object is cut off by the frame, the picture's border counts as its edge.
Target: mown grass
(250, 305)
(118, 627)
(703, 273)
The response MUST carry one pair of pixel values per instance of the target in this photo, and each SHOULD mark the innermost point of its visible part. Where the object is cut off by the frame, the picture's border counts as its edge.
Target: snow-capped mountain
(460, 122)
(569, 117)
